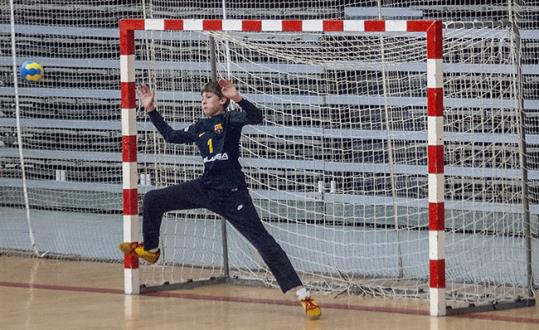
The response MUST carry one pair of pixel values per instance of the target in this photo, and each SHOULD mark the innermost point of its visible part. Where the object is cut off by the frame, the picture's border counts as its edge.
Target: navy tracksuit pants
(234, 205)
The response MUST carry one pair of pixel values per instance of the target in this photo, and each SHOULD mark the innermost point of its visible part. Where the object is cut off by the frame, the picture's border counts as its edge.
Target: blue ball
(31, 71)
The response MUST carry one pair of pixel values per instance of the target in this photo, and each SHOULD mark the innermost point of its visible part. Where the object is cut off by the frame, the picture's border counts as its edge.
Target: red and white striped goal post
(435, 96)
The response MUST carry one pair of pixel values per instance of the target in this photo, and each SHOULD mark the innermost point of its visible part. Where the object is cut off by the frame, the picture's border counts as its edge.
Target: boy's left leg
(237, 207)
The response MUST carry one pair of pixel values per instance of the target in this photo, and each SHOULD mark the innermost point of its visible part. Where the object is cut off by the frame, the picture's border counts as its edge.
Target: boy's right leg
(184, 196)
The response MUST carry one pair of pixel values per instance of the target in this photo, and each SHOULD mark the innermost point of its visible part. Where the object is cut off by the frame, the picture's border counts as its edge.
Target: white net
(338, 169)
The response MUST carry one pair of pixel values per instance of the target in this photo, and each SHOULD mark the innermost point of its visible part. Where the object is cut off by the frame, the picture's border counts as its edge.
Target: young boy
(221, 188)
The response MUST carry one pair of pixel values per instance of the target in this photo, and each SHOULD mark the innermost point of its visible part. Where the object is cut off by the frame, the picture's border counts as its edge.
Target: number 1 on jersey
(210, 146)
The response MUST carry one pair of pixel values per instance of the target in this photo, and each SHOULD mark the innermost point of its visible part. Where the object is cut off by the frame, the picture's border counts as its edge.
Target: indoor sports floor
(52, 294)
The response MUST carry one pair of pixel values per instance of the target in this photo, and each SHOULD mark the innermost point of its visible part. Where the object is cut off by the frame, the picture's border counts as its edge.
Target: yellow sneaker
(137, 249)
(128, 248)
(312, 309)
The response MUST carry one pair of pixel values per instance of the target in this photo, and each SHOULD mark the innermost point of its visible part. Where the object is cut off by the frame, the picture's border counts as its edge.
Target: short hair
(215, 88)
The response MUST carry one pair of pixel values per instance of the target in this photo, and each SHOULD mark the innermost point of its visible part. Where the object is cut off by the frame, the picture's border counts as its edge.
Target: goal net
(338, 170)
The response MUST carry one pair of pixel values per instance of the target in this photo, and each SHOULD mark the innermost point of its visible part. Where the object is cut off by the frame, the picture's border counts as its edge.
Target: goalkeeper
(221, 188)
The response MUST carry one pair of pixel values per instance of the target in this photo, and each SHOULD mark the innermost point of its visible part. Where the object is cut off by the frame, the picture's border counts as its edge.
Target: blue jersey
(218, 140)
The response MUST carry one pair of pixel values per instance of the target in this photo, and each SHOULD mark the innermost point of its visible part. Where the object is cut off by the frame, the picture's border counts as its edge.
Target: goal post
(434, 54)
(348, 171)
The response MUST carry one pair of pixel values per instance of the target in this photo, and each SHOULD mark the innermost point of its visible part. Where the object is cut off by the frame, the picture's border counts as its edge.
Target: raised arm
(252, 115)
(169, 134)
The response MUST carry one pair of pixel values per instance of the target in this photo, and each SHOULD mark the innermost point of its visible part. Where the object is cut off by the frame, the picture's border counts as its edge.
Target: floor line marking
(195, 296)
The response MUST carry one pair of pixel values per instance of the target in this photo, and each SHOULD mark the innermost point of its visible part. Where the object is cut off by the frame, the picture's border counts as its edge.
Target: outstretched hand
(229, 90)
(146, 97)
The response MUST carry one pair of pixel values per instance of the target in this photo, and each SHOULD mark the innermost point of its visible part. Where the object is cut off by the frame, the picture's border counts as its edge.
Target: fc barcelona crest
(218, 128)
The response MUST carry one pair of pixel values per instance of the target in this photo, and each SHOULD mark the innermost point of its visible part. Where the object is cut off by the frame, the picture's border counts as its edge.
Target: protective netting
(338, 170)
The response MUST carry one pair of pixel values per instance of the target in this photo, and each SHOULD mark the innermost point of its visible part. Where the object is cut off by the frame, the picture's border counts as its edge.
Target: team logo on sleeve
(218, 128)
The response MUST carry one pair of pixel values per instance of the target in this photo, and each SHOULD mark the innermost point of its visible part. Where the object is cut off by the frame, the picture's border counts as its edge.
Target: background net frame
(70, 123)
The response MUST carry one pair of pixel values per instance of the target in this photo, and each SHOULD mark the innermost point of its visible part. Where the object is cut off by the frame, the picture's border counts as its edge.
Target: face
(212, 104)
